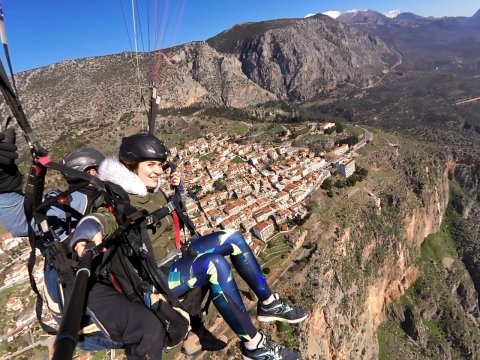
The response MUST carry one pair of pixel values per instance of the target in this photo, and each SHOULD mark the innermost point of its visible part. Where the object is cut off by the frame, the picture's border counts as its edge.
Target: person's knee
(154, 335)
(237, 242)
(152, 338)
(231, 236)
(147, 320)
(217, 266)
(144, 327)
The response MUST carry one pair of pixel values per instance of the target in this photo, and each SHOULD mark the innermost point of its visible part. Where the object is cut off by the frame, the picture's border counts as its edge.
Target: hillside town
(253, 188)
(260, 190)
(257, 189)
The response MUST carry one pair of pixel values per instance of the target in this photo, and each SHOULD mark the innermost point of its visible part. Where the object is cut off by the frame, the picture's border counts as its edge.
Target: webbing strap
(159, 214)
(33, 192)
(179, 219)
(39, 302)
(186, 221)
(54, 199)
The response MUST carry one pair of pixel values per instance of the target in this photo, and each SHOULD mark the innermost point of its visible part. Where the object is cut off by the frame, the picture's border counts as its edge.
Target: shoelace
(271, 345)
(286, 306)
(281, 304)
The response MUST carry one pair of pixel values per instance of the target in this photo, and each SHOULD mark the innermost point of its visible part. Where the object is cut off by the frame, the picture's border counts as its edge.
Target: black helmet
(142, 146)
(83, 159)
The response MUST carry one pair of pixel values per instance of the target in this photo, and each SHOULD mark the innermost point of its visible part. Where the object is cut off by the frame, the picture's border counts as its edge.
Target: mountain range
(251, 63)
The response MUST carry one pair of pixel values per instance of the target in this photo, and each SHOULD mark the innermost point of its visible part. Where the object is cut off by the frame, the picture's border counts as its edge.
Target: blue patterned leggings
(207, 266)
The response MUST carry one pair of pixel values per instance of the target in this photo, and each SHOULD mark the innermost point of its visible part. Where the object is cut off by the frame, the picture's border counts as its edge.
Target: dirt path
(463, 102)
(397, 64)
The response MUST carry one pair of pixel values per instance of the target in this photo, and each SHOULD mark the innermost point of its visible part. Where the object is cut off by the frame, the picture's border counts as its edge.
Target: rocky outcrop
(300, 59)
(198, 74)
(79, 96)
(466, 202)
(345, 323)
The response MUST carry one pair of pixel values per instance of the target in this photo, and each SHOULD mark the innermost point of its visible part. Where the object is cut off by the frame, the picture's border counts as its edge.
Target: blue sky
(41, 32)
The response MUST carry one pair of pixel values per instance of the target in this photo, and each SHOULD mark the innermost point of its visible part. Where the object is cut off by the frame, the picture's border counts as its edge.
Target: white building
(325, 125)
(264, 230)
(346, 167)
(10, 243)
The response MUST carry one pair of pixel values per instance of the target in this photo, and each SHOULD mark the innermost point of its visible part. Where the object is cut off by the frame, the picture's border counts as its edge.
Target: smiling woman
(146, 156)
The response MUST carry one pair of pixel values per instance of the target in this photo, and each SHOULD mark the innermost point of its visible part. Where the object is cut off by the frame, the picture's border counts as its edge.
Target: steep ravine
(466, 202)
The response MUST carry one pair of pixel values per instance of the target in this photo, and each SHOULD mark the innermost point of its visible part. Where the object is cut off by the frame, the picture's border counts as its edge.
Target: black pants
(130, 323)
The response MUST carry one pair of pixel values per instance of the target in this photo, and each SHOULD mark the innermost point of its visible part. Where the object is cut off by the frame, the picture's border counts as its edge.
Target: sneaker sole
(274, 318)
(249, 358)
(190, 353)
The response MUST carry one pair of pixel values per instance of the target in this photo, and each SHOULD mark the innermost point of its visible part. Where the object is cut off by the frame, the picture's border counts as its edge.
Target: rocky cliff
(466, 203)
(300, 59)
(366, 251)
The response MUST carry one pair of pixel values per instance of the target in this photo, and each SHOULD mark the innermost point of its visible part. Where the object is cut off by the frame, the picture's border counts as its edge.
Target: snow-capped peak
(393, 14)
(333, 14)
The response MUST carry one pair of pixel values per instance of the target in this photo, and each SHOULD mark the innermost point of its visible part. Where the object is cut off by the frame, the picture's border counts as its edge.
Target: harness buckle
(149, 220)
(170, 207)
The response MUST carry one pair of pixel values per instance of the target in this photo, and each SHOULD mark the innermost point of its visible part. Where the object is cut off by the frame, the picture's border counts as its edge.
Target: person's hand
(81, 245)
(175, 179)
(8, 149)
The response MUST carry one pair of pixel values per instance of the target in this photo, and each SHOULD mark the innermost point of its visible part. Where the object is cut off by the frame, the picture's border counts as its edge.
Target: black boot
(208, 341)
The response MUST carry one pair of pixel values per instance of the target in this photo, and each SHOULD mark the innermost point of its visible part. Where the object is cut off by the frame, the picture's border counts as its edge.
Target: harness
(180, 220)
(36, 209)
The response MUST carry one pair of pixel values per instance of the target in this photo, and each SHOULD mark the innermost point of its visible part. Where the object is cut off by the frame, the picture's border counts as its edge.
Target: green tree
(340, 183)
(219, 185)
(327, 184)
(351, 140)
(339, 127)
(352, 180)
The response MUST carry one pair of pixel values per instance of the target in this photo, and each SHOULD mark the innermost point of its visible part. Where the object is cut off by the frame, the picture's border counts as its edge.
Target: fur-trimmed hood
(112, 170)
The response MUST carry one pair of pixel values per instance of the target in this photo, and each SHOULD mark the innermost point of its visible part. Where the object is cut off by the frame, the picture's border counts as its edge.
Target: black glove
(10, 177)
(8, 149)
